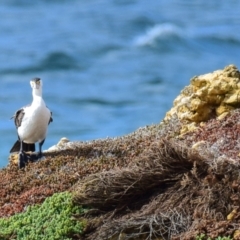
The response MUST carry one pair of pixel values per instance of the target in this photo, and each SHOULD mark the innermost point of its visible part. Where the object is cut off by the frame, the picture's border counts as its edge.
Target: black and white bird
(32, 123)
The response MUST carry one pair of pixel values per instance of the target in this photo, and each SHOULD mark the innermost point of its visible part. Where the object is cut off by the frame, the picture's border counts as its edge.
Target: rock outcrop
(208, 96)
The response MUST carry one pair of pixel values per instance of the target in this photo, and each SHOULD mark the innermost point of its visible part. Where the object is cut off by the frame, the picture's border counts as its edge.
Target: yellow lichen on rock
(208, 95)
(236, 234)
(13, 158)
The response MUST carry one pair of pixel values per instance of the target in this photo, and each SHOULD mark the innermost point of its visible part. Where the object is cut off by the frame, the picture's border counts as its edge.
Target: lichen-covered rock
(63, 141)
(207, 96)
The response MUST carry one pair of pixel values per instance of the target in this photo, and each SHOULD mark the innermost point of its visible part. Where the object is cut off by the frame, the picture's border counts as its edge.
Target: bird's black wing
(18, 116)
(51, 118)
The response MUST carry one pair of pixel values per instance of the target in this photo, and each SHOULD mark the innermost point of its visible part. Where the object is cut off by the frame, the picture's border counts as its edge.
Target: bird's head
(36, 83)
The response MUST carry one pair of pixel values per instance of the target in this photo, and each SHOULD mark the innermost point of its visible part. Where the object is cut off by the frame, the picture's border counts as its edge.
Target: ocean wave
(53, 61)
(219, 33)
(156, 32)
(100, 102)
(58, 60)
(165, 31)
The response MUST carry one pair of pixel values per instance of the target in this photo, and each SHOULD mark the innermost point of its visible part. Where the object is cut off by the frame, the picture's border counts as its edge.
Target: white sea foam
(156, 32)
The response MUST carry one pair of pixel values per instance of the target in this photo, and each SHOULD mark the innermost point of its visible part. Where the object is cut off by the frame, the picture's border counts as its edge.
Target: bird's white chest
(34, 123)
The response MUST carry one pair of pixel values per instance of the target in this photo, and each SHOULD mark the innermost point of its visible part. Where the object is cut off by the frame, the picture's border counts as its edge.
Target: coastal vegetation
(179, 179)
(51, 220)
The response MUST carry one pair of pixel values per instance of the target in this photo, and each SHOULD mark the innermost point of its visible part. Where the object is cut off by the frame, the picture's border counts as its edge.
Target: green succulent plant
(203, 237)
(51, 221)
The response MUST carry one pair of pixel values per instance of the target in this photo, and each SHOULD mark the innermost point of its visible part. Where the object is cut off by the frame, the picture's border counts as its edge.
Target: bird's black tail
(27, 147)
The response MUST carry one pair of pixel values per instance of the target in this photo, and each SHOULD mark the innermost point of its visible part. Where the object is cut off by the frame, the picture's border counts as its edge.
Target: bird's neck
(37, 95)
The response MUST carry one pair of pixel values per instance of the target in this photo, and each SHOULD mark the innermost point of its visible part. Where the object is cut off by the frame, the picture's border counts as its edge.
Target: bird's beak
(38, 84)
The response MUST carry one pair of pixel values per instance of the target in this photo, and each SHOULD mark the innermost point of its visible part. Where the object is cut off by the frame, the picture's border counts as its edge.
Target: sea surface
(108, 66)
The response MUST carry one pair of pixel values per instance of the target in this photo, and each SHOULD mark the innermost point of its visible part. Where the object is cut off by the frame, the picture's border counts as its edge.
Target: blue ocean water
(108, 66)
